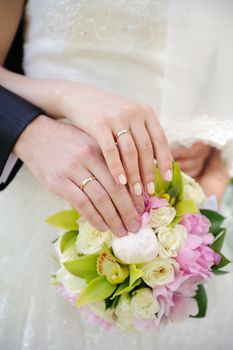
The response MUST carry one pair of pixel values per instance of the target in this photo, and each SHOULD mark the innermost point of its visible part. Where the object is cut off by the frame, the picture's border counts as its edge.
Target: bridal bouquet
(153, 277)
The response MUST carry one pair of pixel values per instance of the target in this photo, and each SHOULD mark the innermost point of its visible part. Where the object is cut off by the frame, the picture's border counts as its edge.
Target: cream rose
(136, 248)
(124, 314)
(90, 240)
(158, 272)
(144, 304)
(162, 217)
(100, 310)
(171, 240)
(192, 190)
(73, 284)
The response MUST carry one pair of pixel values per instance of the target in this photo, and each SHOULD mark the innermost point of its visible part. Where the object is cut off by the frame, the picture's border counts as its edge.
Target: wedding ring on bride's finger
(121, 132)
(86, 181)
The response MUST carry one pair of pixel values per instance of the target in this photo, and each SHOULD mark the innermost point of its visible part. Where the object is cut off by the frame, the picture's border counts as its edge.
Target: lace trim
(210, 130)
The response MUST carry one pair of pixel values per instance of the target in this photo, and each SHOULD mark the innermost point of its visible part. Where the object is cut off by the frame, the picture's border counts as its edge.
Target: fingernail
(137, 189)
(168, 175)
(140, 209)
(151, 187)
(104, 228)
(121, 231)
(134, 226)
(122, 179)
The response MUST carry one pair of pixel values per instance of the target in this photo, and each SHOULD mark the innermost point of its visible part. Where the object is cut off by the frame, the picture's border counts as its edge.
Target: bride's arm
(102, 115)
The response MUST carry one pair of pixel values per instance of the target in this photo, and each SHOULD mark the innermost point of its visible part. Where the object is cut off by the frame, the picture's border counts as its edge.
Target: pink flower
(197, 224)
(65, 295)
(151, 203)
(93, 319)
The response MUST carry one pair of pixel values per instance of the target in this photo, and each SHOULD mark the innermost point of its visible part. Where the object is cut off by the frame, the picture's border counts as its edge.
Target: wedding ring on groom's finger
(121, 132)
(86, 181)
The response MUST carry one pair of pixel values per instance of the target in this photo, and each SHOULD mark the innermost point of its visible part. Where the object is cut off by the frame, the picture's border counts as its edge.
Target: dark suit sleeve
(15, 115)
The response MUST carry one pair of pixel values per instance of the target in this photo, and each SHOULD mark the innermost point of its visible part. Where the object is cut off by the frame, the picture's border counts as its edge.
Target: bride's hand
(61, 157)
(215, 177)
(104, 115)
(192, 160)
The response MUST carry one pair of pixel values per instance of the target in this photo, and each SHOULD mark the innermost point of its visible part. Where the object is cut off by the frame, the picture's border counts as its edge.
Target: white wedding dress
(175, 55)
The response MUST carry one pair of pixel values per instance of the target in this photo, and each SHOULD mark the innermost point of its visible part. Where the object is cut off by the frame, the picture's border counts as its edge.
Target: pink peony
(197, 224)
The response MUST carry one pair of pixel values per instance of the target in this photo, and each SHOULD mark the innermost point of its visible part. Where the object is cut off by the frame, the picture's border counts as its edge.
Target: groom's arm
(15, 115)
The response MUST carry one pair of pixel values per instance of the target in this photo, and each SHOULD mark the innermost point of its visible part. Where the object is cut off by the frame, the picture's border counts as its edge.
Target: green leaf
(160, 184)
(135, 274)
(186, 206)
(126, 288)
(177, 181)
(97, 290)
(223, 262)
(65, 219)
(68, 240)
(219, 272)
(84, 267)
(218, 243)
(201, 299)
(216, 220)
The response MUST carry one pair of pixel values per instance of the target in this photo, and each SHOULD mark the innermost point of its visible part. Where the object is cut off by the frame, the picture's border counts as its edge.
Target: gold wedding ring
(122, 132)
(86, 181)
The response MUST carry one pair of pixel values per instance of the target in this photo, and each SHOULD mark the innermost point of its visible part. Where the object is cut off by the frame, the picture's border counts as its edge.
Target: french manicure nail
(168, 175)
(137, 189)
(122, 179)
(134, 226)
(151, 187)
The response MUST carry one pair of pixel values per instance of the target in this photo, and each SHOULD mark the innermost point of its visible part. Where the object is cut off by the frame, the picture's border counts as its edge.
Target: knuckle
(101, 196)
(82, 203)
(116, 190)
(109, 150)
(130, 149)
(146, 148)
(86, 151)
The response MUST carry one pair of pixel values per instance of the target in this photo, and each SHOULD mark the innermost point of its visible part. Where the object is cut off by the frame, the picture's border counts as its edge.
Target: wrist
(27, 139)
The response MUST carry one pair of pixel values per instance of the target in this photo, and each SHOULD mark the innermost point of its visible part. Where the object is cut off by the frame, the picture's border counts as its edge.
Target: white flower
(124, 314)
(100, 310)
(144, 304)
(162, 216)
(90, 240)
(73, 284)
(192, 190)
(171, 240)
(136, 248)
(158, 272)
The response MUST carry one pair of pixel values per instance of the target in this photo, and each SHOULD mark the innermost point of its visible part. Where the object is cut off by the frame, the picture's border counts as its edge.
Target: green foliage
(125, 287)
(84, 267)
(135, 274)
(96, 290)
(201, 299)
(186, 206)
(65, 219)
(160, 184)
(68, 240)
(216, 220)
(218, 243)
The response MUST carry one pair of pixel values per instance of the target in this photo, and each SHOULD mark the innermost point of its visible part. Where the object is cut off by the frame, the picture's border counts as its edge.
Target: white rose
(162, 217)
(123, 313)
(90, 240)
(192, 190)
(144, 304)
(171, 240)
(100, 310)
(136, 248)
(158, 272)
(73, 284)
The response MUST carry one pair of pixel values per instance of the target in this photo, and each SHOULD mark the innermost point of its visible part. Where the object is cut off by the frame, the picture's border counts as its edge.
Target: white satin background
(175, 56)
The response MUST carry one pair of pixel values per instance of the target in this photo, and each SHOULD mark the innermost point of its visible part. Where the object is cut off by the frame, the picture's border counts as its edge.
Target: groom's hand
(61, 157)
